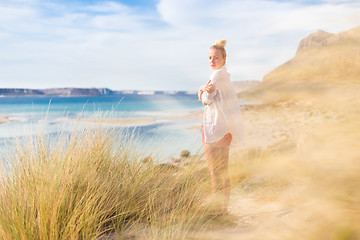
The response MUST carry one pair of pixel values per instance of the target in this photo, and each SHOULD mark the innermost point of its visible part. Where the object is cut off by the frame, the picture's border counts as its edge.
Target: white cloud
(109, 44)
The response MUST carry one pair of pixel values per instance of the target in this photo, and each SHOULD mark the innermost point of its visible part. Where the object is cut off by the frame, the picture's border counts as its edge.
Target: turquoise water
(167, 137)
(123, 105)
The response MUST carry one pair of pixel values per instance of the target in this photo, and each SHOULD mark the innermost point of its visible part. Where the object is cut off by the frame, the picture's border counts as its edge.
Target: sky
(154, 44)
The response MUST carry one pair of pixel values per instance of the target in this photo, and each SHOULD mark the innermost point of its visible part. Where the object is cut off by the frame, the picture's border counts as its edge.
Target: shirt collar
(222, 68)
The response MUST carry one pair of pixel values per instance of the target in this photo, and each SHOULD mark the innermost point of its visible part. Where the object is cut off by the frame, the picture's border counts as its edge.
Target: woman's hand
(209, 87)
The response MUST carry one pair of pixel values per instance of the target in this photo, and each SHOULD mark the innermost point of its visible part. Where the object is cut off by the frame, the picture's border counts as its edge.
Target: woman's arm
(208, 93)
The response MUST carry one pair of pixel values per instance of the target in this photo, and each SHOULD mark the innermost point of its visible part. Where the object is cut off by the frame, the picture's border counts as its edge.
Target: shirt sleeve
(207, 98)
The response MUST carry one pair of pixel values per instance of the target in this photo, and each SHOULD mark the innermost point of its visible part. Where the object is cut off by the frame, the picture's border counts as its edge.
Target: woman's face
(216, 59)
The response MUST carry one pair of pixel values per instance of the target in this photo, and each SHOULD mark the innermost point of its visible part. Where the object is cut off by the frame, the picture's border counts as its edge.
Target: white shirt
(222, 110)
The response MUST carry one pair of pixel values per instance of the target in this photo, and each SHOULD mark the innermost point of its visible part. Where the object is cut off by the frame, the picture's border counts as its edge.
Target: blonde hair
(220, 45)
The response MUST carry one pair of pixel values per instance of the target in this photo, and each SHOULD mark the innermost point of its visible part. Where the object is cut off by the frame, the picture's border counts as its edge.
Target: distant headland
(93, 92)
(79, 92)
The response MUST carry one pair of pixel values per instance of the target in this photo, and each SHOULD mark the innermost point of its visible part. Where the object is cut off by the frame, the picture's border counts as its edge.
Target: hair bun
(221, 43)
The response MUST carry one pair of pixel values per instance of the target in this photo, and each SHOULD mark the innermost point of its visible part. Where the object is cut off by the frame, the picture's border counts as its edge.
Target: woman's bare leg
(217, 158)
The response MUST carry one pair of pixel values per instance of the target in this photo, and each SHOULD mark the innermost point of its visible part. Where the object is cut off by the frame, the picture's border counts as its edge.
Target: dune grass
(312, 176)
(93, 185)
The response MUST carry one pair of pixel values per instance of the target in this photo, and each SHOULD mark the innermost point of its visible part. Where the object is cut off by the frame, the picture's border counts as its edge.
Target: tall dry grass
(308, 185)
(93, 184)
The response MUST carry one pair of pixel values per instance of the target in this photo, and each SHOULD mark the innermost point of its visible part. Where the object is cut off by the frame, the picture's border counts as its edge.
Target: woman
(221, 121)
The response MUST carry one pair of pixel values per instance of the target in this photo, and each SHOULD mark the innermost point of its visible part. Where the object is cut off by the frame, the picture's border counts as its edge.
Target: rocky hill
(11, 92)
(314, 40)
(323, 61)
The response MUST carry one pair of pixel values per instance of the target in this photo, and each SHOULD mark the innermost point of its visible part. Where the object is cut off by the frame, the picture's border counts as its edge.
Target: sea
(165, 138)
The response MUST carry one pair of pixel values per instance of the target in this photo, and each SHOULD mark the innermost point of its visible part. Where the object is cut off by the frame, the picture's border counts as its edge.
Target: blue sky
(154, 44)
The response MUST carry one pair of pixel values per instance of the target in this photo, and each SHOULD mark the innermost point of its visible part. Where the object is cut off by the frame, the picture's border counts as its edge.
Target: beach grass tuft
(93, 184)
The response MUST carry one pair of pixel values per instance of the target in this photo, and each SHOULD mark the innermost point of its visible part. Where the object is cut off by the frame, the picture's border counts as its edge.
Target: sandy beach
(4, 119)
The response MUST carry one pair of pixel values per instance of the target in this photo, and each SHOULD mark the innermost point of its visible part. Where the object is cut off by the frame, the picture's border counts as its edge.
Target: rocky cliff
(322, 61)
(314, 40)
(321, 39)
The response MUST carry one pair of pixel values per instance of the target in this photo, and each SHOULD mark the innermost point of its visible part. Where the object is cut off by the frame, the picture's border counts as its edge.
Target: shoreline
(263, 125)
(123, 122)
(5, 119)
(127, 122)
